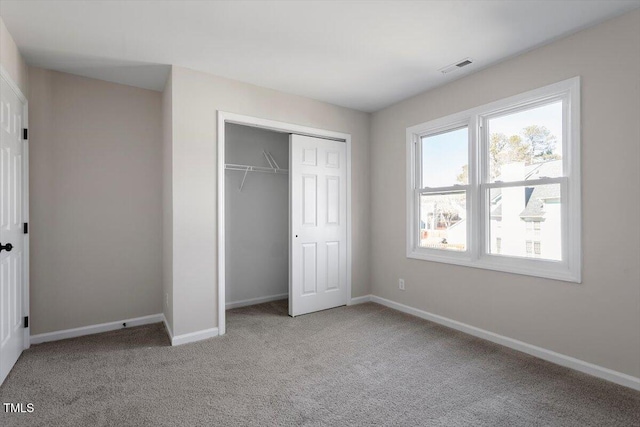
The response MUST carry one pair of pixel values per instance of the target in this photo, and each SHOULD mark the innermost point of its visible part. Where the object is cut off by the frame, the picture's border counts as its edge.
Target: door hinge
(25, 228)
(26, 321)
(25, 134)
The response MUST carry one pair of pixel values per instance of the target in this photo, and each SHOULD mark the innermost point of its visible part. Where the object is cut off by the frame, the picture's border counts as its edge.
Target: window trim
(477, 254)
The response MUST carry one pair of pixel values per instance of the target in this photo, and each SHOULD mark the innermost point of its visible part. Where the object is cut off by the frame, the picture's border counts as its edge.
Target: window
(443, 210)
(498, 186)
(529, 247)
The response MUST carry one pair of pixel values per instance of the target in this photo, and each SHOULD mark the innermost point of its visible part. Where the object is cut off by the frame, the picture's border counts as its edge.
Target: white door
(318, 203)
(11, 231)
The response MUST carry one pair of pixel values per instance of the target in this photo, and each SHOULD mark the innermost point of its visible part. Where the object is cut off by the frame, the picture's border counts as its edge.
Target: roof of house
(549, 169)
(534, 196)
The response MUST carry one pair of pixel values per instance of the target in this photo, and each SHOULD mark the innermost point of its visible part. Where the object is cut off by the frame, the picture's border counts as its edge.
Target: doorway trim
(4, 74)
(223, 119)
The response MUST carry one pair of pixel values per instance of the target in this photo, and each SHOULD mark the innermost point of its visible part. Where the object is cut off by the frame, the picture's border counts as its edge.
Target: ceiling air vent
(462, 63)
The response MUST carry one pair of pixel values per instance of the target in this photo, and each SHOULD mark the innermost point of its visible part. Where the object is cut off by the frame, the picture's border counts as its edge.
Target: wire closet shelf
(273, 168)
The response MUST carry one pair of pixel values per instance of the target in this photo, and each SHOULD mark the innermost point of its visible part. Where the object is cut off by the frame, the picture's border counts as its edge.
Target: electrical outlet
(401, 284)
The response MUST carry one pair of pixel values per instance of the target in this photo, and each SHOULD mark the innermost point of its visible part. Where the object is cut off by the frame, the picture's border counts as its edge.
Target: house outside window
(498, 186)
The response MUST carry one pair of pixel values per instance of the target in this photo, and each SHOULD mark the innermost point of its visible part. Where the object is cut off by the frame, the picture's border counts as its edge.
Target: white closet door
(11, 238)
(318, 203)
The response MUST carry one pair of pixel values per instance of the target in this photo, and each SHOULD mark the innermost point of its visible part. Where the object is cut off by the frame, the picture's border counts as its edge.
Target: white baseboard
(95, 329)
(360, 300)
(542, 353)
(187, 338)
(194, 336)
(254, 301)
(166, 326)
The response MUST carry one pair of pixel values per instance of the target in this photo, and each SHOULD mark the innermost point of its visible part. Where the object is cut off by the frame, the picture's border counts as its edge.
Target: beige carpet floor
(364, 365)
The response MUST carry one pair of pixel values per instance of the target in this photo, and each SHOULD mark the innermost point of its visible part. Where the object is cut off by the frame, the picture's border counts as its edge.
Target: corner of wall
(369, 207)
(167, 202)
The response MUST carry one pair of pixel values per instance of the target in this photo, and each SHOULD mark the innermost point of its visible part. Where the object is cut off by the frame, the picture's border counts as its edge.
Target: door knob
(6, 247)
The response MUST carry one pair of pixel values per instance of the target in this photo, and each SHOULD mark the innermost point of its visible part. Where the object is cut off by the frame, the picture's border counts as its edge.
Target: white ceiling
(359, 54)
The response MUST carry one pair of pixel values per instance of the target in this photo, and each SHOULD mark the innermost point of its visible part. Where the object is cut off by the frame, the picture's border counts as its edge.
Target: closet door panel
(309, 200)
(318, 224)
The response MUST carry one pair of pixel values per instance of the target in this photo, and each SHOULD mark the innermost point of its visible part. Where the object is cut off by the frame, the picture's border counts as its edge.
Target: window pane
(526, 221)
(445, 158)
(526, 145)
(443, 222)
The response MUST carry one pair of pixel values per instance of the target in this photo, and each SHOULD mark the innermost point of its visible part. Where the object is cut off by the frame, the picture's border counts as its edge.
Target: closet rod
(273, 167)
(249, 168)
(246, 169)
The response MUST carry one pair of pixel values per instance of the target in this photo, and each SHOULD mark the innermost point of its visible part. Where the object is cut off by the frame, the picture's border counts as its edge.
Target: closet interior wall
(256, 217)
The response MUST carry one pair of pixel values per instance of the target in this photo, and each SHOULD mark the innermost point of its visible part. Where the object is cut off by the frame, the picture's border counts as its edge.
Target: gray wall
(167, 204)
(96, 201)
(12, 60)
(597, 321)
(197, 97)
(257, 218)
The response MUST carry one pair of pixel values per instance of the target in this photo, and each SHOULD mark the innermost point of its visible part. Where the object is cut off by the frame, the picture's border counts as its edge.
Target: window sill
(527, 267)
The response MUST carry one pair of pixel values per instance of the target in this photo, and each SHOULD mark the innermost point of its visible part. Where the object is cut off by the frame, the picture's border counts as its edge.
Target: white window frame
(478, 240)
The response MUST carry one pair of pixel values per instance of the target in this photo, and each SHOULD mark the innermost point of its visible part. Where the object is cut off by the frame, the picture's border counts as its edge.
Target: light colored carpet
(363, 365)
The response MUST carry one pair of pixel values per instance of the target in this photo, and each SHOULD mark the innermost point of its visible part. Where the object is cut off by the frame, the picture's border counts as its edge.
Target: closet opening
(257, 216)
(284, 216)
